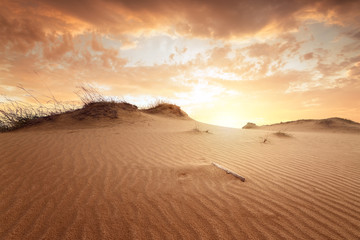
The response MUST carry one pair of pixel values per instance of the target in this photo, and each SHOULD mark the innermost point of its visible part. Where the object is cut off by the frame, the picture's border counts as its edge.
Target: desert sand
(150, 176)
(335, 125)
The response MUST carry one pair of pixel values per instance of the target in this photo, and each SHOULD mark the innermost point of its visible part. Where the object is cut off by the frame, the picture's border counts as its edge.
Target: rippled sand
(153, 179)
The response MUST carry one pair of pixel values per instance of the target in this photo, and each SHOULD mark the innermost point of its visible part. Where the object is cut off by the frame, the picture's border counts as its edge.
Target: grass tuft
(157, 103)
(265, 139)
(88, 94)
(197, 129)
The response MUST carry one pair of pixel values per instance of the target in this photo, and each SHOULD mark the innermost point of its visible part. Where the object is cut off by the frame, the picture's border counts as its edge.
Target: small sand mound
(100, 110)
(167, 109)
(250, 125)
(282, 134)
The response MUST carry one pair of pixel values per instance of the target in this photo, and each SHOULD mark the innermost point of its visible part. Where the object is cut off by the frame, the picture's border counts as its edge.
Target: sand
(334, 125)
(152, 178)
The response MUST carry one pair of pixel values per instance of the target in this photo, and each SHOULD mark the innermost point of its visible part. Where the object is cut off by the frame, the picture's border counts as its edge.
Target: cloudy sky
(225, 62)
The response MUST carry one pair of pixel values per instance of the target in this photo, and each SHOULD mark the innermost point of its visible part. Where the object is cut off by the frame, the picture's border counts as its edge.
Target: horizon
(224, 62)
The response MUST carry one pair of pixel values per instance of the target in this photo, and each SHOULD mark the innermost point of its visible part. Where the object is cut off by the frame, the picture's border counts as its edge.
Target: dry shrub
(156, 103)
(197, 129)
(166, 109)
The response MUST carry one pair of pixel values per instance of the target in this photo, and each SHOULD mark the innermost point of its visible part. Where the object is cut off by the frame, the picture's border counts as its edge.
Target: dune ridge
(94, 113)
(153, 179)
(334, 124)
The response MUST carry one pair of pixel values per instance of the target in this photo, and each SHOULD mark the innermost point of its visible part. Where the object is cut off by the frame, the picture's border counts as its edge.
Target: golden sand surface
(146, 177)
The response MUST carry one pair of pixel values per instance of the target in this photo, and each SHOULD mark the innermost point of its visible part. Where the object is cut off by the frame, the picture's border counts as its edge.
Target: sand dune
(145, 176)
(324, 125)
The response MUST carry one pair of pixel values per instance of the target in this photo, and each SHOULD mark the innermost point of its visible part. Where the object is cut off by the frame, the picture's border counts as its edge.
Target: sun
(227, 120)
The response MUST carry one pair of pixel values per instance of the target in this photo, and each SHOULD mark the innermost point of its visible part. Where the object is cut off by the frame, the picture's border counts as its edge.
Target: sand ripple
(157, 182)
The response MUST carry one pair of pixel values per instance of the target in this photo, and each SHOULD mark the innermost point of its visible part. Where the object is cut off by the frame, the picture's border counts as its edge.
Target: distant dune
(329, 125)
(112, 171)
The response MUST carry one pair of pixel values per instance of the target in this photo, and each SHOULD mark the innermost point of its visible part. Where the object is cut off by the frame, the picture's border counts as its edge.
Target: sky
(225, 62)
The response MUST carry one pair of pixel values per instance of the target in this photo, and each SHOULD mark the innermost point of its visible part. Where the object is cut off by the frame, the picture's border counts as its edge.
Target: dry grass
(157, 103)
(165, 108)
(265, 139)
(17, 114)
(197, 129)
(89, 94)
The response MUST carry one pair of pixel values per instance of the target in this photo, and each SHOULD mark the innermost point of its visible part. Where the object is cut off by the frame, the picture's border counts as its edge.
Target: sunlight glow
(228, 120)
(215, 72)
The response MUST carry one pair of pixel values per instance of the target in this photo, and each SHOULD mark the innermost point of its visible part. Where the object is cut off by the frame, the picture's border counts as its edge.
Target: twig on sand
(229, 172)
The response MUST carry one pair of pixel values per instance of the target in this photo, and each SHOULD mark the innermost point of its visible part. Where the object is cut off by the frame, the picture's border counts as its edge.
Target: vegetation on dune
(161, 106)
(15, 114)
(197, 129)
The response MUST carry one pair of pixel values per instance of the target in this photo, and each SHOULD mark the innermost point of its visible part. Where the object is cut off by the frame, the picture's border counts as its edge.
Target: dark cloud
(20, 34)
(340, 10)
(214, 18)
(25, 23)
(356, 35)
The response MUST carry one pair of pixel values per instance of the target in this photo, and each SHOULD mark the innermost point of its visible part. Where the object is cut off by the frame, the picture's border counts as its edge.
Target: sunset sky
(224, 62)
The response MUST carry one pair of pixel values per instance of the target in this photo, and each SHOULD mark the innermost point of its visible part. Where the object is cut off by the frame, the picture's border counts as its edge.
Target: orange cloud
(308, 56)
(256, 49)
(214, 18)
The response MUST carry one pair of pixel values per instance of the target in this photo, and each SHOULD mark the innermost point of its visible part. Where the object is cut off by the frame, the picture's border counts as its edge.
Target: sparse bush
(164, 108)
(157, 103)
(265, 139)
(198, 130)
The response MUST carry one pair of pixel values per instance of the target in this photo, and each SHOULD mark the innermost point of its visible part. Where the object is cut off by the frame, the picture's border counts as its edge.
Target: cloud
(314, 102)
(354, 71)
(57, 48)
(258, 48)
(308, 56)
(23, 24)
(214, 18)
(19, 34)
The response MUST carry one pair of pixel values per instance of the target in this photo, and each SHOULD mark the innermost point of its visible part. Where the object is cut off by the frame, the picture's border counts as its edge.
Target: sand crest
(339, 125)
